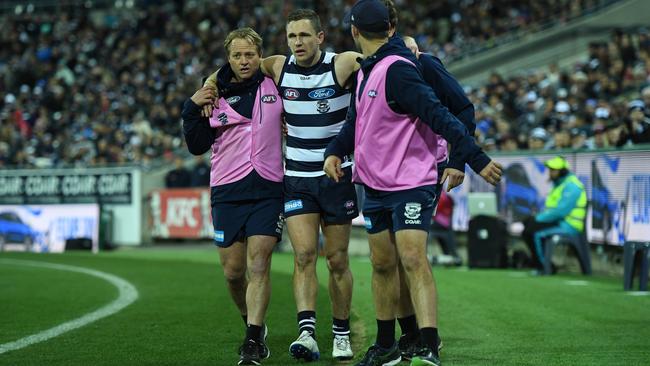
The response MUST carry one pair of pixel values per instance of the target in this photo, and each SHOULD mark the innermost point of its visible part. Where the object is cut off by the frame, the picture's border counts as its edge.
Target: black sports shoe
(264, 350)
(377, 356)
(410, 344)
(425, 357)
(250, 353)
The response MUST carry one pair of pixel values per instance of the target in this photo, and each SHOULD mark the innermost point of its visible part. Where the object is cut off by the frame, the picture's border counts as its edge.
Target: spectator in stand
(599, 138)
(638, 124)
(179, 177)
(616, 134)
(200, 174)
(508, 143)
(538, 138)
(645, 94)
(578, 139)
(561, 139)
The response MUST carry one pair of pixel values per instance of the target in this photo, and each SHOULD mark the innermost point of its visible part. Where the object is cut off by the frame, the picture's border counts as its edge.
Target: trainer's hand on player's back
(203, 96)
(332, 168)
(455, 176)
(492, 172)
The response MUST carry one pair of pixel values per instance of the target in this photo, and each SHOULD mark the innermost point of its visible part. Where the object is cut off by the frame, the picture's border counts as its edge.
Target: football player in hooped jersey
(244, 134)
(393, 126)
(314, 86)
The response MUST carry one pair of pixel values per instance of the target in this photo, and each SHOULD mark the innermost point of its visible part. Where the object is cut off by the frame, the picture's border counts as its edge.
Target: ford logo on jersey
(321, 93)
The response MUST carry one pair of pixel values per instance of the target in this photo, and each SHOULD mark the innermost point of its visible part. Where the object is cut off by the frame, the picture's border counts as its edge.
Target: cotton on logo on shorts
(219, 236)
(292, 205)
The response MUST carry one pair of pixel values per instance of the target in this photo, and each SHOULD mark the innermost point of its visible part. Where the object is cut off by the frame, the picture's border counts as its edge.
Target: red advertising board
(181, 213)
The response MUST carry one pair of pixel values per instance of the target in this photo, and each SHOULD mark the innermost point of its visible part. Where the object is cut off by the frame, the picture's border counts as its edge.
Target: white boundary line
(127, 295)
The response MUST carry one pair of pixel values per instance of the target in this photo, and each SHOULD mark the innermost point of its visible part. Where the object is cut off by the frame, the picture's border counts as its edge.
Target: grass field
(184, 316)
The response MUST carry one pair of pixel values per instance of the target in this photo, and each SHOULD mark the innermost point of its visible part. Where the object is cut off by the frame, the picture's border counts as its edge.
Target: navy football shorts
(336, 202)
(236, 221)
(398, 210)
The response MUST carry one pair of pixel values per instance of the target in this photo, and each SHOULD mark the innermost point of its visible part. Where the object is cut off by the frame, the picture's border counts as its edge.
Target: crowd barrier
(617, 185)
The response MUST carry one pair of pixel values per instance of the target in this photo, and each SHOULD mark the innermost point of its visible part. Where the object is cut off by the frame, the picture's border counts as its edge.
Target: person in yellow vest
(566, 207)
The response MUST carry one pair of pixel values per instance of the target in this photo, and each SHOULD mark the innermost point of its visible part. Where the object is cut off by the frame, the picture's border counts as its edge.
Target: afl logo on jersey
(268, 98)
(321, 93)
(291, 94)
(372, 93)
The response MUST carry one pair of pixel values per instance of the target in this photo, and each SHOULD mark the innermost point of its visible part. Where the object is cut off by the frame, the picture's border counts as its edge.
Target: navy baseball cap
(369, 16)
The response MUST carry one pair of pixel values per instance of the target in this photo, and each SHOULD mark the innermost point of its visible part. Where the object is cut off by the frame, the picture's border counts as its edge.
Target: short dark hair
(300, 14)
(373, 35)
(392, 12)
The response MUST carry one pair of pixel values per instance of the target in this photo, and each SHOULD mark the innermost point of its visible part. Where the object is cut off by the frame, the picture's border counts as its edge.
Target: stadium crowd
(601, 102)
(97, 86)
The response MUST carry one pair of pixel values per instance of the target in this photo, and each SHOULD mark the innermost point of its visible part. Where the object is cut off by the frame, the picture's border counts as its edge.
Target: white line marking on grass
(638, 293)
(127, 295)
(577, 283)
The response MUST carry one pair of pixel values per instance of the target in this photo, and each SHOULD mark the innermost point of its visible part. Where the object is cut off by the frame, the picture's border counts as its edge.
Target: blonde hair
(244, 33)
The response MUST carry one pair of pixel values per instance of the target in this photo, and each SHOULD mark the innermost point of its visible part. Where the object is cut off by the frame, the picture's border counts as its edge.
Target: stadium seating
(91, 85)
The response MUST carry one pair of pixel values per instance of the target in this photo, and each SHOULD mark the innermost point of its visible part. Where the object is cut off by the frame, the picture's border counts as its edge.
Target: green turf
(184, 315)
(33, 299)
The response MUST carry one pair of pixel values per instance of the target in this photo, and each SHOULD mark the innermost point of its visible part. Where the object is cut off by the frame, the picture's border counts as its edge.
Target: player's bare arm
(345, 65)
(272, 67)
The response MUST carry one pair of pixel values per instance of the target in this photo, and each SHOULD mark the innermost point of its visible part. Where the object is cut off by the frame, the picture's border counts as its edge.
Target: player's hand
(332, 168)
(203, 96)
(207, 109)
(455, 176)
(492, 173)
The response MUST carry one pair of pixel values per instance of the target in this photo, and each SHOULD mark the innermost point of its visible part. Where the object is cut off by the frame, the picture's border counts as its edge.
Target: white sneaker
(304, 348)
(341, 349)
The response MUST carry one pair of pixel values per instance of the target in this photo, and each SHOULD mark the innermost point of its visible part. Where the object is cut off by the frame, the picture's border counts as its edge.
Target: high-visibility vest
(576, 217)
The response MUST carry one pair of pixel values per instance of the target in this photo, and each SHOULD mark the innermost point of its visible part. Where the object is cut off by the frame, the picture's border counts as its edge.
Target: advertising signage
(33, 187)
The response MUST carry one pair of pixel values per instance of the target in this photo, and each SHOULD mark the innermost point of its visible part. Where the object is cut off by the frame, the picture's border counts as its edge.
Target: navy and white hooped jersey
(315, 107)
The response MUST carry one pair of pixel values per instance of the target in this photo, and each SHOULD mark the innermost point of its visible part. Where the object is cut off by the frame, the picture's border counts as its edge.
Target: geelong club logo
(412, 213)
(323, 106)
